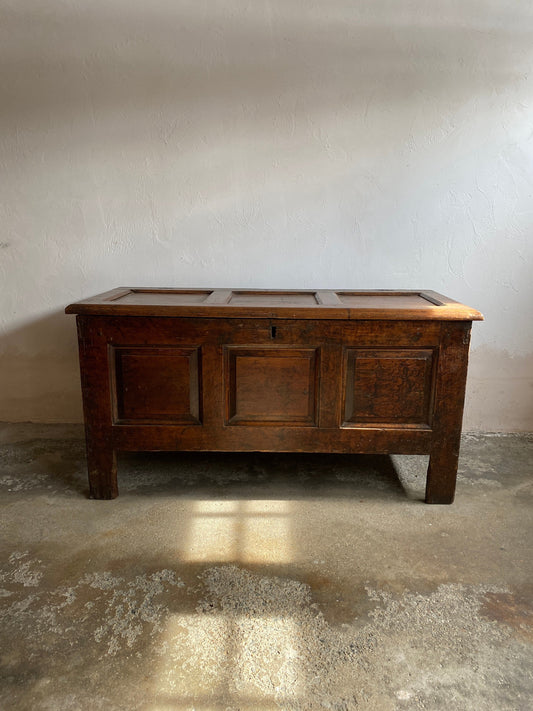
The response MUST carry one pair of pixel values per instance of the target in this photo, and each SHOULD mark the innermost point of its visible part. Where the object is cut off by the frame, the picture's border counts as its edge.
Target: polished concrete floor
(255, 581)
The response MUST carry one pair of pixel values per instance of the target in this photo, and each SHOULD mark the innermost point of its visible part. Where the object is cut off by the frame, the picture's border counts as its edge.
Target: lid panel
(272, 298)
(384, 300)
(278, 303)
(170, 297)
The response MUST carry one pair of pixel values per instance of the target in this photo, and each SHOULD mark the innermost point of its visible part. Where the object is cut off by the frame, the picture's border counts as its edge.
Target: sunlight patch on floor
(238, 531)
(250, 662)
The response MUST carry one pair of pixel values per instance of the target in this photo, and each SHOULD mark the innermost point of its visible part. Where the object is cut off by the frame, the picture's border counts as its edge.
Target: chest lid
(266, 303)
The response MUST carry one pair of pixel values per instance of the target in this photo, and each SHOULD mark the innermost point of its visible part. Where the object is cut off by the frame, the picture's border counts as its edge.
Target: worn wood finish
(155, 384)
(308, 371)
(271, 439)
(256, 303)
(97, 411)
(388, 387)
(450, 393)
(271, 386)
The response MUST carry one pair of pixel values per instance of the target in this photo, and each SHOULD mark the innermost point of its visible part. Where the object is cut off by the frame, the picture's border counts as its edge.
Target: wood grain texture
(97, 411)
(276, 383)
(270, 439)
(448, 415)
(156, 385)
(388, 386)
(257, 303)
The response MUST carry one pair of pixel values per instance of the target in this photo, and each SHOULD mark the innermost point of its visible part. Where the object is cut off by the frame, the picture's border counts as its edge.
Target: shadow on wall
(499, 393)
(39, 374)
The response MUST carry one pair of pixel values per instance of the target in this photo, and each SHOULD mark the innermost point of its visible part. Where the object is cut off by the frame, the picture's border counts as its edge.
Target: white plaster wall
(282, 143)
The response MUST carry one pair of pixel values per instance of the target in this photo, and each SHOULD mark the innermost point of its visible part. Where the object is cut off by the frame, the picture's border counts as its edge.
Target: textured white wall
(282, 143)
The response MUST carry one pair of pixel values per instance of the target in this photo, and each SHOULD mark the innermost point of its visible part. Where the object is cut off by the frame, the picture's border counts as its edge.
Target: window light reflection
(254, 531)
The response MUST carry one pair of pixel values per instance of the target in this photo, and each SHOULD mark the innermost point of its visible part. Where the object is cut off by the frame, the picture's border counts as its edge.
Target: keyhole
(273, 332)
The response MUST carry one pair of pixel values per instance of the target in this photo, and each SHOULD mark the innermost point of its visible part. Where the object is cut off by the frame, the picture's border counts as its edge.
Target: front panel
(271, 386)
(389, 387)
(265, 384)
(155, 384)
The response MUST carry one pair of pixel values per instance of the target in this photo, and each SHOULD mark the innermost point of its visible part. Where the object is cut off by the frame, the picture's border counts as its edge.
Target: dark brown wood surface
(450, 394)
(274, 385)
(229, 383)
(389, 386)
(250, 303)
(156, 384)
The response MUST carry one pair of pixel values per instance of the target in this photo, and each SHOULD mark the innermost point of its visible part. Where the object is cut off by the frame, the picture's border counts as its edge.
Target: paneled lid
(255, 303)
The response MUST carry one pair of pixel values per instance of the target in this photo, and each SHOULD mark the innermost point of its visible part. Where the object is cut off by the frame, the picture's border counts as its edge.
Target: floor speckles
(239, 582)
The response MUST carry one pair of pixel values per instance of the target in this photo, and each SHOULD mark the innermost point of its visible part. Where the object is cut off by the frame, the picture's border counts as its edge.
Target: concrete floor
(254, 581)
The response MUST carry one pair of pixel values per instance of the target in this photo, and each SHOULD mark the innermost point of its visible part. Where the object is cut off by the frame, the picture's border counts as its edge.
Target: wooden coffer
(308, 371)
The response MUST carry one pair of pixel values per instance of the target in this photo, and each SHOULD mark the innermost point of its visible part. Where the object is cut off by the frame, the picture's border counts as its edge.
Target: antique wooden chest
(252, 370)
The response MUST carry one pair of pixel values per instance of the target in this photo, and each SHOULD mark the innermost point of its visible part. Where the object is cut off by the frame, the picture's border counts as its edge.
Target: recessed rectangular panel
(389, 387)
(159, 385)
(170, 297)
(271, 386)
(385, 300)
(273, 298)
